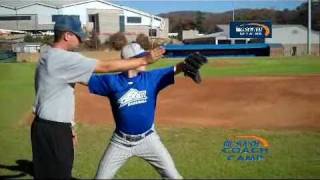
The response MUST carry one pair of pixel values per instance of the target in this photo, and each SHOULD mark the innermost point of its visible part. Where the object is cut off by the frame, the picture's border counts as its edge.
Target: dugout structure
(259, 49)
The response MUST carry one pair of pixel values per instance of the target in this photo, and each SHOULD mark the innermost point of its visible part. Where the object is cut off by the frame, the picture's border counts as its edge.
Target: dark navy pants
(52, 149)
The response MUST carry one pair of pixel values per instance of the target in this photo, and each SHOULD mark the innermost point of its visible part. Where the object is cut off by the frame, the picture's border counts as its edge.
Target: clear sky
(158, 6)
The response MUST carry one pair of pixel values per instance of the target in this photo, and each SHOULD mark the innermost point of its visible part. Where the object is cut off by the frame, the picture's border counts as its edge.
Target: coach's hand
(155, 55)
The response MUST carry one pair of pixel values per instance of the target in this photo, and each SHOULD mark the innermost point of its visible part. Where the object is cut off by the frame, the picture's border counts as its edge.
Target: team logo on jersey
(133, 97)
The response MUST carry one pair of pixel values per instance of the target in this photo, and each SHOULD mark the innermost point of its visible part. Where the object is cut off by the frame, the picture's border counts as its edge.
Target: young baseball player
(133, 97)
(56, 74)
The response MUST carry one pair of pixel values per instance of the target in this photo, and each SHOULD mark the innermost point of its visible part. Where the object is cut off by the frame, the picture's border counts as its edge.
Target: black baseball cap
(71, 24)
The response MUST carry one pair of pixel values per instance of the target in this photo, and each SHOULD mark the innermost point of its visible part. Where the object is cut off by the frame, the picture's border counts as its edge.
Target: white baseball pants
(149, 148)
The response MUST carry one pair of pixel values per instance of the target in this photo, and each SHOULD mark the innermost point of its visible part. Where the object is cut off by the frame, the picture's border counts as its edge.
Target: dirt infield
(241, 102)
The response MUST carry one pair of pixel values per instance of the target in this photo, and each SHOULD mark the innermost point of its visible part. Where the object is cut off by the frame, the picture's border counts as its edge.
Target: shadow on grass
(22, 167)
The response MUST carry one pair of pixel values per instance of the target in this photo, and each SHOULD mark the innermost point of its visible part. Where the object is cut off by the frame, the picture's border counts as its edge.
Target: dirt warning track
(240, 102)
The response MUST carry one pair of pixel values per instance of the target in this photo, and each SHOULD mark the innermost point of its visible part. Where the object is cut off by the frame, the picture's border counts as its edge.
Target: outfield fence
(7, 56)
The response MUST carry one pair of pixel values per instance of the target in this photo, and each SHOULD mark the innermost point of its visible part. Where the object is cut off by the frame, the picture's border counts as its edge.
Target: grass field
(256, 66)
(196, 151)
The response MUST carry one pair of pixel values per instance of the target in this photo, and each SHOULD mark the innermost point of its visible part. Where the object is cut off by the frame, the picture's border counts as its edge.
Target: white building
(293, 38)
(26, 47)
(6, 9)
(39, 15)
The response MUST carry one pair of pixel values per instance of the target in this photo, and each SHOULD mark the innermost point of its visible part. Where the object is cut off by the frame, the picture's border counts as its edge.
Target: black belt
(133, 138)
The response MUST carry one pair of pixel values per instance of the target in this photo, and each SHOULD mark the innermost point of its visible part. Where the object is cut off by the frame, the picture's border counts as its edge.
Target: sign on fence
(251, 29)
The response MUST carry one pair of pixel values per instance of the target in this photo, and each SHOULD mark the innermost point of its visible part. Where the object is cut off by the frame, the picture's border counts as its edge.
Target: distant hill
(206, 22)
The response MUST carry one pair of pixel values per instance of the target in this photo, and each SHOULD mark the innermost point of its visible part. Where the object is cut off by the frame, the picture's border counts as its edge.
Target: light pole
(232, 10)
(309, 27)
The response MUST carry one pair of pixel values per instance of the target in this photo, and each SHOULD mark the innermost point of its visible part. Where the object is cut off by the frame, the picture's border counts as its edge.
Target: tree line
(207, 22)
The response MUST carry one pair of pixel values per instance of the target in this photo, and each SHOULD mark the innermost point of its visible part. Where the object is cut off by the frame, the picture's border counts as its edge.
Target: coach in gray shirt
(56, 74)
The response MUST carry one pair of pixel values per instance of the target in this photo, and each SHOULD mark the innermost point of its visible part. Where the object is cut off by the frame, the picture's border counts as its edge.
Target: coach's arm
(120, 65)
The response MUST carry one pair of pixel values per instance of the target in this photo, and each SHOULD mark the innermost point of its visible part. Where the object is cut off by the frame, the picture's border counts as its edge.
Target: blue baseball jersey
(133, 100)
